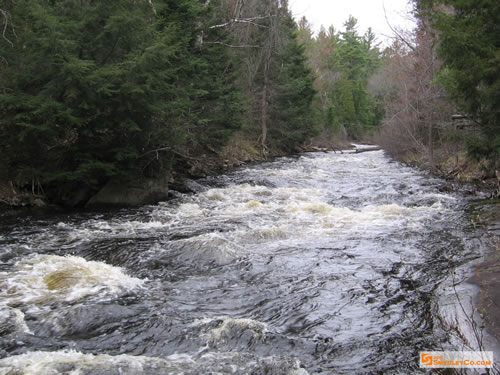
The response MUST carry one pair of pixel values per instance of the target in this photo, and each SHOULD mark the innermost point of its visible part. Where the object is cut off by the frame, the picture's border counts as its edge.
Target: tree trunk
(431, 146)
(263, 107)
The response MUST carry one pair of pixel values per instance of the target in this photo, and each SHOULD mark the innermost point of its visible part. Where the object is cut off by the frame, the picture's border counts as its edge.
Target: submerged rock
(66, 278)
(133, 193)
(39, 203)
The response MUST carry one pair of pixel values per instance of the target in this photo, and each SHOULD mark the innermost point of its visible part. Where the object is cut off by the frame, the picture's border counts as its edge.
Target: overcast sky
(370, 13)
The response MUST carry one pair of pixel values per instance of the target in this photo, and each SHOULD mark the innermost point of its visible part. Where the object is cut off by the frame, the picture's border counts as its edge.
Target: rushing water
(322, 264)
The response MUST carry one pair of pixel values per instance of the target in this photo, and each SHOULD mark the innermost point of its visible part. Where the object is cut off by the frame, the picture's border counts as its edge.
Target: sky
(370, 13)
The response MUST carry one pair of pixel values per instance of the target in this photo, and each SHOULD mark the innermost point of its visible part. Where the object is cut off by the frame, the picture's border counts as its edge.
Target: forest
(93, 93)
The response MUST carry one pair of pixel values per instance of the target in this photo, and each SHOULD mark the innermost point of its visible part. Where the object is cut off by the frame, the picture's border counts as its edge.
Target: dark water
(323, 264)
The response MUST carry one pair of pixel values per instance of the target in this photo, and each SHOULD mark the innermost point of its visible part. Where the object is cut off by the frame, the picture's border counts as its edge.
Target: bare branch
(397, 33)
(6, 23)
(250, 20)
(155, 151)
(152, 6)
(233, 46)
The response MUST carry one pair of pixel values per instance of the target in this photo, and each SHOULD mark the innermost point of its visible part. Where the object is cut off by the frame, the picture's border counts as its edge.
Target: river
(325, 263)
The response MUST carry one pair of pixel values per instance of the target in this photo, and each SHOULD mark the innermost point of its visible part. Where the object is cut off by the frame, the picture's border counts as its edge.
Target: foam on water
(329, 259)
(42, 279)
(102, 229)
(266, 233)
(76, 363)
(12, 321)
(224, 328)
(291, 206)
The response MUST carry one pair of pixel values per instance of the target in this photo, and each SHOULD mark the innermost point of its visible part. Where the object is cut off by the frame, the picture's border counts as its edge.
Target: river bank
(459, 171)
(139, 191)
(486, 214)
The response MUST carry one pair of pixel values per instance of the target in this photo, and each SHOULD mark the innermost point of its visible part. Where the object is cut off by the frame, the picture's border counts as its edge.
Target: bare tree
(417, 108)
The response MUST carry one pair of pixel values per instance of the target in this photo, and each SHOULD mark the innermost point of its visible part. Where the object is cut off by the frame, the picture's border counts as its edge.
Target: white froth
(75, 363)
(39, 279)
(12, 321)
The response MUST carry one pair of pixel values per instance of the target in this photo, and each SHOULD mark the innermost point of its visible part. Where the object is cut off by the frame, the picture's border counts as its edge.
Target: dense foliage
(91, 91)
(274, 79)
(468, 32)
(344, 63)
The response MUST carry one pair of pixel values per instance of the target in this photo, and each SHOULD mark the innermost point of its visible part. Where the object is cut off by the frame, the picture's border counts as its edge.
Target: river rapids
(325, 263)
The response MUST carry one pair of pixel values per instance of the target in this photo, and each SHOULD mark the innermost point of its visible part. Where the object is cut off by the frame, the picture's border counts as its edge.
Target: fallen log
(360, 150)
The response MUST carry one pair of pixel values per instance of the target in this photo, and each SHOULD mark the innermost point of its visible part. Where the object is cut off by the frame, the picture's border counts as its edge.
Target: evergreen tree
(295, 92)
(357, 59)
(73, 92)
(469, 44)
(274, 77)
(94, 90)
(343, 63)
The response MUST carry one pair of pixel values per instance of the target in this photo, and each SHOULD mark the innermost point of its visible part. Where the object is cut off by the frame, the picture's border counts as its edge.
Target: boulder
(39, 203)
(131, 193)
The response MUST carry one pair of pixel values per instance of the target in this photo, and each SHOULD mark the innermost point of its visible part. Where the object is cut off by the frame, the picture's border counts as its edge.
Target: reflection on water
(322, 264)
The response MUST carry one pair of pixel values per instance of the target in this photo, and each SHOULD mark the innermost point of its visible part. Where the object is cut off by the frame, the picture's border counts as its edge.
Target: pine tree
(469, 44)
(357, 59)
(277, 85)
(99, 90)
(295, 92)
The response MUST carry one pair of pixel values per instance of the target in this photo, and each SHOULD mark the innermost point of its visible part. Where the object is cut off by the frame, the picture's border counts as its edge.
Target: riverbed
(324, 263)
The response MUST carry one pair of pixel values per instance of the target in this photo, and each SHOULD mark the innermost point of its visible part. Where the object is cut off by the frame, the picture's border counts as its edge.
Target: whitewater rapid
(324, 263)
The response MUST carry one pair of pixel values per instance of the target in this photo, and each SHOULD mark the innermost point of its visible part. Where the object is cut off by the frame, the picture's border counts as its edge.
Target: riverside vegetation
(132, 94)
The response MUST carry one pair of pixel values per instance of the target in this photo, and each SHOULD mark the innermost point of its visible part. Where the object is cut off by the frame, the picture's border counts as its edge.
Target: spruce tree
(291, 116)
(98, 90)
(357, 59)
(468, 33)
